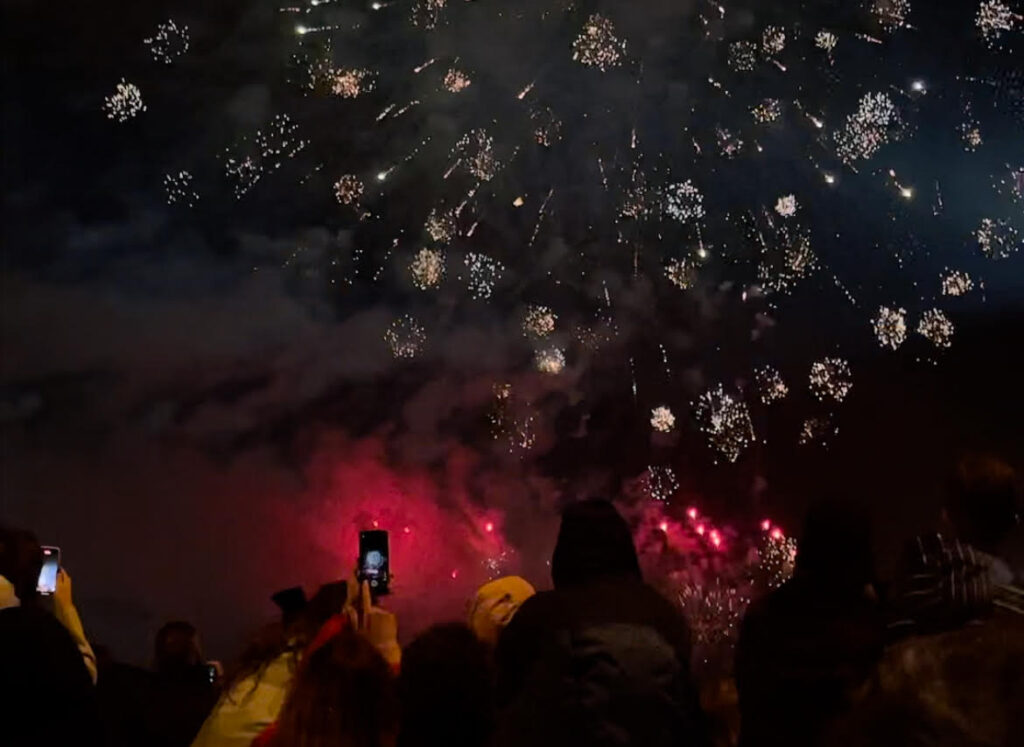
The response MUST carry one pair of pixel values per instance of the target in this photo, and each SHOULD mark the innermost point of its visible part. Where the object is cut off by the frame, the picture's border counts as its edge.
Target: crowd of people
(832, 657)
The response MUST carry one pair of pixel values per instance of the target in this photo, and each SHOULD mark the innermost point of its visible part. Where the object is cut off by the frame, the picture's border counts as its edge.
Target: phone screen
(374, 561)
(47, 583)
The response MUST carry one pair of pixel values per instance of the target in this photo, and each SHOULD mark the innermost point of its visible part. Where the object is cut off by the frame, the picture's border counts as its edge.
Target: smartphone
(47, 583)
(374, 560)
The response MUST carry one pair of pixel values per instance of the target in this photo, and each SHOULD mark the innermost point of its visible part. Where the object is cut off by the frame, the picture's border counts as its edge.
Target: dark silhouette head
(176, 648)
(836, 545)
(594, 542)
(271, 641)
(21, 559)
(446, 687)
(984, 501)
(343, 695)
(291, 602)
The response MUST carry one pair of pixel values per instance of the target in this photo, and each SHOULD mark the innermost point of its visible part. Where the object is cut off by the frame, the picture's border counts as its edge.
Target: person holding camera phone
(49, 692)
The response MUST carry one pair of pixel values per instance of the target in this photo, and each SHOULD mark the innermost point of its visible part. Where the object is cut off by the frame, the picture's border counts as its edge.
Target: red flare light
(407, 530)
(663, 526)
(766, 525)
(700, 529)
(776, 534)
(489, 527)
(716, 538)
(455, 573)
(691, 512)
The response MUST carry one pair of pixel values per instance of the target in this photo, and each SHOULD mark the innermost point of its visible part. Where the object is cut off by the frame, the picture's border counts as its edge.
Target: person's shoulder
(30, 620)
(539, 605)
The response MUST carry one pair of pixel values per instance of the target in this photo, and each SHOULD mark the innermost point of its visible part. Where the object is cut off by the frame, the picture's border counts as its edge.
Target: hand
(62, 594)
(377, 625)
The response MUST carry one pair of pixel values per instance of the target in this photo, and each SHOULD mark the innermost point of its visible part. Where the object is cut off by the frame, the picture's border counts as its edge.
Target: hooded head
(495, 604)
(594, 542)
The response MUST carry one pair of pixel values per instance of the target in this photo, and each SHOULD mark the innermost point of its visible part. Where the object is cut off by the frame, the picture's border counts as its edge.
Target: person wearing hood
(809, 649)
(603, 659)
(494, 606)
(48, 690)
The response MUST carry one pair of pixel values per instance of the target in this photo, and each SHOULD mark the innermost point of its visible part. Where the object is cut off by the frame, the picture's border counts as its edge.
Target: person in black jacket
(48, 694)
(601, 660)
(807, 649)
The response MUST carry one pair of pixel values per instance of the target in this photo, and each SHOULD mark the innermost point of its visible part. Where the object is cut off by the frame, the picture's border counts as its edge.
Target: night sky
(198, 404)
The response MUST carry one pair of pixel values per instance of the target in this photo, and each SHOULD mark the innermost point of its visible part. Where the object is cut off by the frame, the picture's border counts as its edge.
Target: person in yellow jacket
(255, 693)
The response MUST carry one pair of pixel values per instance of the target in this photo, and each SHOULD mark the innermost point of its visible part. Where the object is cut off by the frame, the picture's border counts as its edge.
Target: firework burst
(725, 421)
(890, 327)
(770, 385)
(831, 379)
(124, 103)
(956, 283)
(427, 268)
(539, 322)
(550, 360)
(937, 328)
(406, 337)
(997, 239)
(169, 42)
(597, 45)
(662, 419)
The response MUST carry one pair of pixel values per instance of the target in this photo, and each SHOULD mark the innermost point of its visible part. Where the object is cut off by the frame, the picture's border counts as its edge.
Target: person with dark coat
(807, 649)
(48, 692)
(601, 660)
(447, 689)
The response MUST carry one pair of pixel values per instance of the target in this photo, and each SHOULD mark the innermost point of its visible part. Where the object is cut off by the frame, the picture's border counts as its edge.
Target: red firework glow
(434, 523)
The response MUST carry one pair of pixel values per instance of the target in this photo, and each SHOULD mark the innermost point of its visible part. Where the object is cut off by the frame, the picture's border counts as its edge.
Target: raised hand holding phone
(377, 625)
